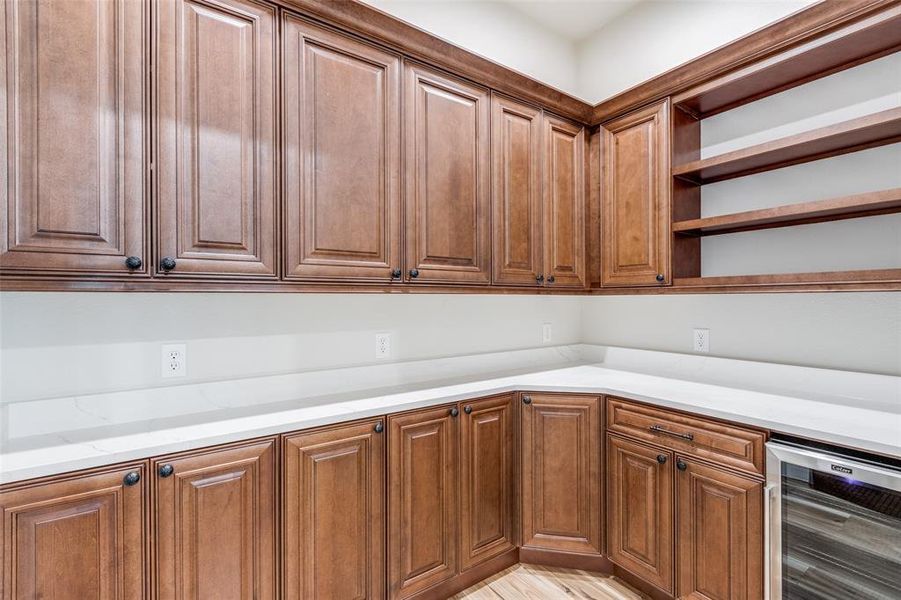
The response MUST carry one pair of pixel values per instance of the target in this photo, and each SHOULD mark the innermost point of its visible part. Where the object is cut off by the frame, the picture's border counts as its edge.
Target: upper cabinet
(516, 195)
(635, 197)
(74, 142)
(342, 156)
(217, 147)
(447, 178)
(564, 203)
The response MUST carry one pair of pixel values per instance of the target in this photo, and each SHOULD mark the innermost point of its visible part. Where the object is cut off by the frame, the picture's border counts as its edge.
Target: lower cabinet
(215, 523)
(719, 539)
(451, 485)
(561, 472)
(640, 510)
(76, 537)
(334, 513)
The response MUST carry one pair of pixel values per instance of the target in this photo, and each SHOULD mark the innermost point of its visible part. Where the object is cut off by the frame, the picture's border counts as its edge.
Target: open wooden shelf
(832, 209)
(849, 136)
(890, 277)
(848, 46)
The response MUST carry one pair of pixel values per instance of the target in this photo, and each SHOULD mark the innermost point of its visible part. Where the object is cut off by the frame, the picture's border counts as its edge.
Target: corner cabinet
(75, 143)
(447, 178)
(560, 444)
(217, 154)
(635, 198)
(81, 536)
(342, 156)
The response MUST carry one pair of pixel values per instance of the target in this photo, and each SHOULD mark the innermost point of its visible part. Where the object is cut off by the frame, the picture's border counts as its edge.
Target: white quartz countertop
(46, 437)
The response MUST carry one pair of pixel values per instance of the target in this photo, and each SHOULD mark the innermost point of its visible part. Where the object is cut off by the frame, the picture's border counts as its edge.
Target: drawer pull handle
(659, 429)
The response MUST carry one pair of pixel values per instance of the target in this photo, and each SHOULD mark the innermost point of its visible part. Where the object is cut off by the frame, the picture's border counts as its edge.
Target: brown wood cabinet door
(636, 198)
(334, 513)
(215, 523)
(516, 194)
(217, 152)
(564, 203)
(422, 500)
(561, 472)
(75, 136)
(447, 178)
(640, 510)
(342, 156)
(719, 546)
(75, 538)
(487, 438)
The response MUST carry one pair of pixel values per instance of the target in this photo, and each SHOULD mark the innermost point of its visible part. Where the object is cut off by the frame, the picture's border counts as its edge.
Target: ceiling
(572, 19)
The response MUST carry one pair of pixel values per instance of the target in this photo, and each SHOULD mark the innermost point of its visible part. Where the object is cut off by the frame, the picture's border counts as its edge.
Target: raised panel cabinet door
(487, 438)
(447, 178)
(217, 151)
(215, 523)
(334, 513)
(516, 194)
(72, 538)
(719, 541)
(422, 500)
(75, 137)
(564, 203)
(640, 510)
(342, 156)
(635, 198)
(561, 446)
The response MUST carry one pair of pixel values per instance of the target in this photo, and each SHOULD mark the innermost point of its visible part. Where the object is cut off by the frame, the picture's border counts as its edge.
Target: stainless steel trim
(768, 553)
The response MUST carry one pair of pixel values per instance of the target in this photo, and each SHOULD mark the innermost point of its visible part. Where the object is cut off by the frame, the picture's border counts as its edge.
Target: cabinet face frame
(191, 524)
(487, 478)
(423, 85)
(641, 516)
(61, 506)
(64, 212)
(426, 438)
(542, 470)
(336, 251)
(205, 238)
(516, 192)
(717, 560)
(644, 182)
(313, 461)
(564, 202)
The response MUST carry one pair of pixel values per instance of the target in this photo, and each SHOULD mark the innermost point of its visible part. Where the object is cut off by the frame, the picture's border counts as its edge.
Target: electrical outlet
(174, 360)
(701, 340)
(382, 345)
(546, 333)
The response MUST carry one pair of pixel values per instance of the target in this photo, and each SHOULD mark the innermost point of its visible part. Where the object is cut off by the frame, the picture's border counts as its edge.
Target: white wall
(54, 344)
(849, 331)
(495, 31)
(656, 36)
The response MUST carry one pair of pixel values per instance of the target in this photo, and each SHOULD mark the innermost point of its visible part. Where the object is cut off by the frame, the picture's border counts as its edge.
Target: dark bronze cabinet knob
(526, 399)
(467, 409)
(131, 478)
(551, 279)
(166, 470)
(133, 262)
(539, 278)
(167, 264)
(660, 277)
(661, 458)
(379, 427)
(454, 411)
(414, 273)
(681, 466)
(396, 273)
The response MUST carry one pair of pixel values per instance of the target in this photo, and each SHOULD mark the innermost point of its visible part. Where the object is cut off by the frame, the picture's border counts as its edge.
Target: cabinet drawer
(728, 445)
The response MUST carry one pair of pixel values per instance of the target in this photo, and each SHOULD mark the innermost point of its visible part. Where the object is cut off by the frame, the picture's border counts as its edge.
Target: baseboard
(470, 577)
(567, 560)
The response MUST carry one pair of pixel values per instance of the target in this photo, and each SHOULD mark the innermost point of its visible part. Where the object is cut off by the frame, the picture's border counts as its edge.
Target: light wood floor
(532, 582)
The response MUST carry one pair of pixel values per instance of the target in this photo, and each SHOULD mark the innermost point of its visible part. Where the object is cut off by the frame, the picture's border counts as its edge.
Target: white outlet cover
(701, 340)
(547, 331)
(382, 345)
(173, 360)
